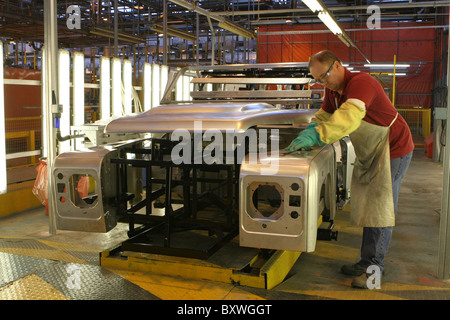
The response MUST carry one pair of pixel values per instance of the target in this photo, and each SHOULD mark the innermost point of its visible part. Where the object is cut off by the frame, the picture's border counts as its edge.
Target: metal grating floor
(30, 278)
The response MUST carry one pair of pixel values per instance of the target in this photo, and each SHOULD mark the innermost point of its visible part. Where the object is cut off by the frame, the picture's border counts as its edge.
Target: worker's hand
(306, 139)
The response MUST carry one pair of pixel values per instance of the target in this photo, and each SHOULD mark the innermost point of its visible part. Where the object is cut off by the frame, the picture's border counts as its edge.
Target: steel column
(443, 268)
(50, 90)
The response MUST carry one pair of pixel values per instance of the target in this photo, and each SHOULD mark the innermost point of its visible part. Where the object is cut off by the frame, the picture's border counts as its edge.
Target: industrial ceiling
(23, 20)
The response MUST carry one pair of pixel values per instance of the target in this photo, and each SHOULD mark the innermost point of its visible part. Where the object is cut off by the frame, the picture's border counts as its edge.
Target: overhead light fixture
(120, 35)
(313, 5)
(374, 65)
(329, 22)
(236, 29)
(328, 19)
(228, 25)
(174, 32)
(344, 40)
(3, 180)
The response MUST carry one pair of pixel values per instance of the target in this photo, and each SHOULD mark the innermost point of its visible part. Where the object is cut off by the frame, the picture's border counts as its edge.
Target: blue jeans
(375, 241)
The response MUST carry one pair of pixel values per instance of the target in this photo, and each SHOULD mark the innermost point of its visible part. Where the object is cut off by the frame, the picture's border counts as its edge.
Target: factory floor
(37, 265)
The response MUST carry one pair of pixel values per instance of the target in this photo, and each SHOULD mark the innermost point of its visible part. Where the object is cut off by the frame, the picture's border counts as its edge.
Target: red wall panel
(19, 96)
(413, 46)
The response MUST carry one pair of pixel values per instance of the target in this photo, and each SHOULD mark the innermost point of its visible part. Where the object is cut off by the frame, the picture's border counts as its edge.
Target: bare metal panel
(93, 209)
(253, 94)
(281, 211)
(243, 80)
(218, 116)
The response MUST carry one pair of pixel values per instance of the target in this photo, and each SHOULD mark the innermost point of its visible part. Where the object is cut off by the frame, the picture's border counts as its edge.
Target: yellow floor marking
(353, 294)
(411, 287)
(30, 287)
(176, 288)
(45, 254)
(331, 250)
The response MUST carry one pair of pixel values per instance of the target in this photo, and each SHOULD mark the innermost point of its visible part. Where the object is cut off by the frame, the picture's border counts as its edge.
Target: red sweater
(379, 109)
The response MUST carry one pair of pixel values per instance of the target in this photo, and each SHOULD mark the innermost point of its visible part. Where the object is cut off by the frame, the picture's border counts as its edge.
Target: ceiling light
(329, 22)
(121, 35)
(174, 32)
(344, 40)
(373, 65)
(236, 29)
(313, 5)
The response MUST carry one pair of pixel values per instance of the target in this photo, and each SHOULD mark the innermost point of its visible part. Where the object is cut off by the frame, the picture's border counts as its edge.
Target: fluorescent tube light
(374, 65)
(329, 22)
(147, 86)
(78, 89)
(156, 77)
(116, 88)
(3, 173)
(179, 88)
(127, 86)
(187, 87)
(78, 93)
(164, 79)
(64, 97)
(313, 5)
(45, 115)
(105, 88)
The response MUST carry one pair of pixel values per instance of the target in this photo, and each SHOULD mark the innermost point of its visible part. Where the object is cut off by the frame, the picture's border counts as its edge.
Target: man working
(355, 104)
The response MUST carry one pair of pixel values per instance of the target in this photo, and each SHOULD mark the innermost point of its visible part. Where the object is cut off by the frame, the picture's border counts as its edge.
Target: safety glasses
(326, 75)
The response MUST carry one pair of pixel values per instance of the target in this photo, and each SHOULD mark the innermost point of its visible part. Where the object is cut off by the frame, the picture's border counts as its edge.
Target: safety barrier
(23, 141)
(419, 121)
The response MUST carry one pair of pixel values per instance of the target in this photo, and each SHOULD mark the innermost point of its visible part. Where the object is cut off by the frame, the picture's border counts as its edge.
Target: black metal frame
(166, 234)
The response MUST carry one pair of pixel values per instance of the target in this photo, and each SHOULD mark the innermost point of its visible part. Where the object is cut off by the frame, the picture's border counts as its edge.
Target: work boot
(363, 282)
(353, 269)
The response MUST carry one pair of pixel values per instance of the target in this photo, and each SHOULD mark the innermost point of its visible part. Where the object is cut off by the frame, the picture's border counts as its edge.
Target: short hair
(324, 57)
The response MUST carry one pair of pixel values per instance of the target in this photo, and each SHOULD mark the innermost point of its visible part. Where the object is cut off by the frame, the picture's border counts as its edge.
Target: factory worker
(355, 104)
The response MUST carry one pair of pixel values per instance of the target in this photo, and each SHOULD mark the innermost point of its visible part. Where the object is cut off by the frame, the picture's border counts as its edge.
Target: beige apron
(372, 203)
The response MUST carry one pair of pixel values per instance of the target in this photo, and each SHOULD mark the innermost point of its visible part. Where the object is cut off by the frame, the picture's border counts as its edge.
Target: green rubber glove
(306, 139)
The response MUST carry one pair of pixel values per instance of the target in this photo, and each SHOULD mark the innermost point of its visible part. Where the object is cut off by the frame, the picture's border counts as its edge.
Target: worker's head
(327, 69)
